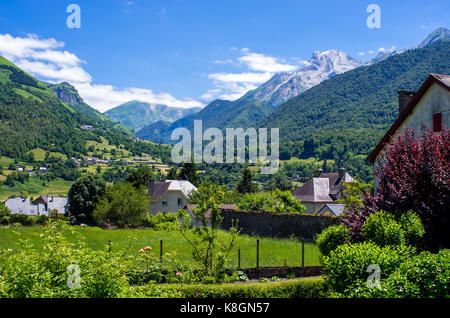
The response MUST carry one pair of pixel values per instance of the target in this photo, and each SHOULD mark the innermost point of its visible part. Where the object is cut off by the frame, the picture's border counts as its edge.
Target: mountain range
(138, 114)
(262, 105)
(260, 102)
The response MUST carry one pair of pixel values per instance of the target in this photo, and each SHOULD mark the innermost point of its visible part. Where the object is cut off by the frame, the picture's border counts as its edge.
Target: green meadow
(273, 252)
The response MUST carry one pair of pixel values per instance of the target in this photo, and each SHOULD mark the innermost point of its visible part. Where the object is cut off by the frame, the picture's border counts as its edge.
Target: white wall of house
(170, 202)
(435, 100)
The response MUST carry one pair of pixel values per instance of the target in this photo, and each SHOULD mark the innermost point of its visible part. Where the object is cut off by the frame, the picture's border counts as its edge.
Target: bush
(348, 263)
(423, 275)
(412, 225)
(5, 220)
(414, 176)
(4, 211)
(41, 219)
(162, 221)
(332, 237)
(382, 229)
(296, 288)
(274, 201)
(123, 205)
(23, 219)
(27, 272)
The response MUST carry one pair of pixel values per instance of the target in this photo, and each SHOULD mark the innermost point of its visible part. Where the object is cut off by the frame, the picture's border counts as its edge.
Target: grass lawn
(273, 252)
(39, 154)
(309, 160)
(35, 187)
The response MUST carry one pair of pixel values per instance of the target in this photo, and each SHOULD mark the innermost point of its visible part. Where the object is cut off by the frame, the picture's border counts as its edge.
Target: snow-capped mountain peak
(322, 66)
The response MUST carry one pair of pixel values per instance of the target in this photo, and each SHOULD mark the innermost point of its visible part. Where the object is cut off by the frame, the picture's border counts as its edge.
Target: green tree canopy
(84, 195)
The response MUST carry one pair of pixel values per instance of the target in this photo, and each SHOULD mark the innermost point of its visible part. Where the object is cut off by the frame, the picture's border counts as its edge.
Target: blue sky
(187, 52)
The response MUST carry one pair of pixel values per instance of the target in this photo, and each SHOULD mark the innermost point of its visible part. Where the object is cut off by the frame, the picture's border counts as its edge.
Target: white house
(429, 106)
(169, 196)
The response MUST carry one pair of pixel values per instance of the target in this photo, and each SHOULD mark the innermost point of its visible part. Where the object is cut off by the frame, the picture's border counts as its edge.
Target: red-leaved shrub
(414, 174)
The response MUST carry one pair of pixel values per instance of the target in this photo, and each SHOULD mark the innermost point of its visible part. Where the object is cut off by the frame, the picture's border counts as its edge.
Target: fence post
(257, 253)
(303, 252)
(239, 258)
(160, 251)
(109, 246)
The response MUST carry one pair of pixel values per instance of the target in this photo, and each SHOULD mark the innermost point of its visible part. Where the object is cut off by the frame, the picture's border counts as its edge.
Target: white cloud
(106, 96)
(259, 69)
(53, 72)
(45, 59)
(255, 78)
(264, 63)
(361, 53)
(383, 50)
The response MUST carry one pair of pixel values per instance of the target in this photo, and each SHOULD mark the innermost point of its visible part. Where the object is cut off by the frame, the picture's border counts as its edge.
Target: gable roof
(335, 208)
(336, 183)
(322, 188)
(160, 188)
(314, 190)
(441, 80)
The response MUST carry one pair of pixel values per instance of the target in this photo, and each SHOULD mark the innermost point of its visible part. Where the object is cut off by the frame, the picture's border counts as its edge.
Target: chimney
(341, 172)
(319, 172)
(151, 187)
(404, 97)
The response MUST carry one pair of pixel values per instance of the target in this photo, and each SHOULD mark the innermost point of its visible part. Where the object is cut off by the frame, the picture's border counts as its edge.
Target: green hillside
(32, 116)
(69, 95)
(355, 108)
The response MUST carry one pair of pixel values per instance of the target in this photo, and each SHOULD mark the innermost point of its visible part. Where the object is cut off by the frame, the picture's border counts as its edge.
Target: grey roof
(335, 208)
(42, 204)
(160, 188)
(20, 205)
(323, 188)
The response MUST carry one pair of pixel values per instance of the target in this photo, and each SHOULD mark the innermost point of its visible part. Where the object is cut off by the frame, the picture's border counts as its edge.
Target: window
(180, 201)
(164, 203)
(437, 122)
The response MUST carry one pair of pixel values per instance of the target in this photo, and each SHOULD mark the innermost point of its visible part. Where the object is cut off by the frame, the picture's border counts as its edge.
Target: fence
(301, 256)
(280, 225)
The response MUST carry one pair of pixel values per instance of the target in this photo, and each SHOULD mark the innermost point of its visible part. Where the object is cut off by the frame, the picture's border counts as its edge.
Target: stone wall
(281, 225)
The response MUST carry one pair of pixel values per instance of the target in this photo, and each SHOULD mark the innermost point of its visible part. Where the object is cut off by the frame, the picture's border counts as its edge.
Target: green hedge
(311, 287)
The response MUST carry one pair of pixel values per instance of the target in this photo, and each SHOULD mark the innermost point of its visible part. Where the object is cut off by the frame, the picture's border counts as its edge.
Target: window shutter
(437, 122)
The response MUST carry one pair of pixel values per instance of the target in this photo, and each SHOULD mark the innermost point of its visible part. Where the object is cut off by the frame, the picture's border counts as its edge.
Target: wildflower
(179, 274)
(147, 248)
(141, 251)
